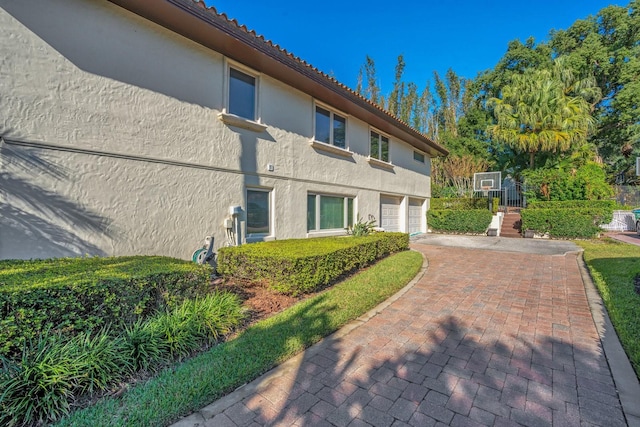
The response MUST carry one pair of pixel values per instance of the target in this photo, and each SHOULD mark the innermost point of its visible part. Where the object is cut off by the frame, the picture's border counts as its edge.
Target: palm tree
(543, 110)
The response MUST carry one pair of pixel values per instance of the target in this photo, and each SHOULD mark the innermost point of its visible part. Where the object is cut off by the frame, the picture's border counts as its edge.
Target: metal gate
(512, 195)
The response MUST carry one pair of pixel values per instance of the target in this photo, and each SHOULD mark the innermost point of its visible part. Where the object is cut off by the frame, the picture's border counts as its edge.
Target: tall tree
(372, 91)
(607, 46)
(397, 93)
(536, 114)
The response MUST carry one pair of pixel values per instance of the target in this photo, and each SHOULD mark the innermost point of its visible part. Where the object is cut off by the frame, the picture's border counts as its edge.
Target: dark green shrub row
(210, 375)
(459, 203)
(566, 223)
(70, 295)
(460, 221)
(572, 204)
(54, 371)
(303, 265)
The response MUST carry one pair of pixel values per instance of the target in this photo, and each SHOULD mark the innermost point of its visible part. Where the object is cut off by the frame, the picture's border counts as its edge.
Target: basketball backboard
(487, 181)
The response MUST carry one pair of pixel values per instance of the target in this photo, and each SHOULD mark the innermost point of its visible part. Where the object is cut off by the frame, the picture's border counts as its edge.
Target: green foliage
(38, 388)
(362, 228)
(606, 45)
(587, 182)
(303, 265)
(536, 113)
(574, 219)
(210, 375)
(72, 295)
(195, 322)
(495, 205)
(144, 346)
(474, 221)
(55, 370)
(613, 266)
(459, 203)
(605, 205)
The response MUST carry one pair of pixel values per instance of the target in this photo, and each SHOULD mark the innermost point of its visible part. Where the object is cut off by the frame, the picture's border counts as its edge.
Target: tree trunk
(532, 157)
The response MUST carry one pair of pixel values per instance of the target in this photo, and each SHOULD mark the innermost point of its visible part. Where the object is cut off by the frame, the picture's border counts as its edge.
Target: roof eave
(193, 20)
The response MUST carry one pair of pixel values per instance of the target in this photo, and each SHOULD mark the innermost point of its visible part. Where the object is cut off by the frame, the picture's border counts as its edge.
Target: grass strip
(613, 266)
(207, 377)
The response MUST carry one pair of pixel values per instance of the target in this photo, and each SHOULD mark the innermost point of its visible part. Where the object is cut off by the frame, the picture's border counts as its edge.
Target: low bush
(209, 376)
(564, 223)
(193, 323)
(39, 387)
(303, 265)
(459, 203)
(54, 371)
(459, 221)
(573, 204)
(568, 219)
(71, 295)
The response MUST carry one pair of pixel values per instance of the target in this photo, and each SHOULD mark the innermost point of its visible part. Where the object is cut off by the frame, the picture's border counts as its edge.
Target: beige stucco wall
(128, 155)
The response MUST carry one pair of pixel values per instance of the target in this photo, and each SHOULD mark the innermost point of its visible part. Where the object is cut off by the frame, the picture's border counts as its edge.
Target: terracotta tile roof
(257, 42)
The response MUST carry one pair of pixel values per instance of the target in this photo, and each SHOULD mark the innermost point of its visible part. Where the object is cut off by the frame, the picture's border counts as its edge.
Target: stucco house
(138, 126)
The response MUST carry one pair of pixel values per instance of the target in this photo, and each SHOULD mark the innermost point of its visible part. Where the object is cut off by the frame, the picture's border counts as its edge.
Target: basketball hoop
(485, 190)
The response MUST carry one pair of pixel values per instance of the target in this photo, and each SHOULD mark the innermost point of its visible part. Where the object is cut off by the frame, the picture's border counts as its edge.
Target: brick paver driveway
(483, 338)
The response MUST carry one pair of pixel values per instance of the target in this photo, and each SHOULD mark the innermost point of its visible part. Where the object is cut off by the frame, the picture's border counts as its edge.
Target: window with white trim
(327, 212)
(242, 94)
(379, 147)
(258, 212)
(330, 127)
(418, 156)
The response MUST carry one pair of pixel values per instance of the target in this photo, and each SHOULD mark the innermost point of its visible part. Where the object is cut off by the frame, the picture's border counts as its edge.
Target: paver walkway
(481, 339)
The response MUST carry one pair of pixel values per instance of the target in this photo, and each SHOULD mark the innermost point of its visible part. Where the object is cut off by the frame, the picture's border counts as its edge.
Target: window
(242, 94)
(329, 212)
(258, 208)
(331, 128)
(379, 147)
(419, 157)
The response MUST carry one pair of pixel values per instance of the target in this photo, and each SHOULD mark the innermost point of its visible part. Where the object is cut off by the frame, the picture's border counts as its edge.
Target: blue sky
(467, 35)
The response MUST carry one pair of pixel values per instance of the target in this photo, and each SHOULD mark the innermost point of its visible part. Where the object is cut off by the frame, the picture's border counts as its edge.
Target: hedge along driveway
(203, 379)
(83, 294)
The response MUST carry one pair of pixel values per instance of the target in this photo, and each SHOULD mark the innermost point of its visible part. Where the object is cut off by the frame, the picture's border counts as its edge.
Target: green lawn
(613, 266)
(203, 379)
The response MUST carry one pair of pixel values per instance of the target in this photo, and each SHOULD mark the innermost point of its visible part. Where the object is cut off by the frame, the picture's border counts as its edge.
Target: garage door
(390, 213)
(415, 216)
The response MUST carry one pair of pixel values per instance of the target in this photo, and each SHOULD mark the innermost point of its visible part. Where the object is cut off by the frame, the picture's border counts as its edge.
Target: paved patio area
(484, 337)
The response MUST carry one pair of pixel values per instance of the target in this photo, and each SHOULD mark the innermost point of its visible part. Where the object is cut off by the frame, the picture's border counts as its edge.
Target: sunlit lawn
(613, 266)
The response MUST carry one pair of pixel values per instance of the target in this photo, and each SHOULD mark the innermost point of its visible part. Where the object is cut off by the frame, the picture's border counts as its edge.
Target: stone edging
(624, 376)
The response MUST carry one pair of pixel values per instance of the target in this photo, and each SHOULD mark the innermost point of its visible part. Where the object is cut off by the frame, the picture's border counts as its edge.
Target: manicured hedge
(572, 204)
(302, 265)
(69, 295)
(567, 219)
(565, 223)
(459, 221)
(459, 203)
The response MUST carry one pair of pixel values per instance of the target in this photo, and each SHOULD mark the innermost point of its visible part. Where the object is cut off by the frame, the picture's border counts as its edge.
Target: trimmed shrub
(71, 295)
(568, 219)
(572, 204)
(303, 265)
(459, 221)
(459, 203)
(38, 388)
(565, 223)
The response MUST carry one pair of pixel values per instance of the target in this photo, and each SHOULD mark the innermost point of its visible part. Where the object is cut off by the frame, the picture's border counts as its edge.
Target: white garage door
(390, 213)
(415, 216)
